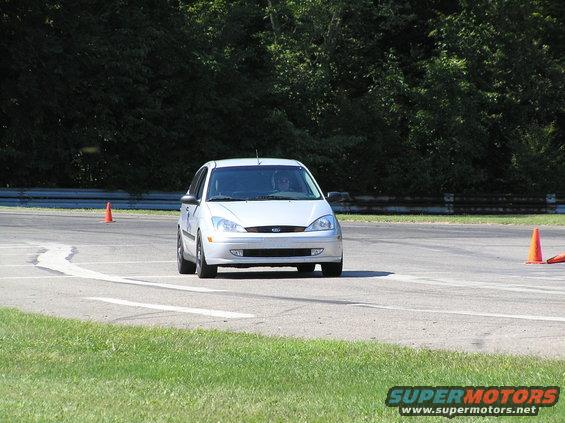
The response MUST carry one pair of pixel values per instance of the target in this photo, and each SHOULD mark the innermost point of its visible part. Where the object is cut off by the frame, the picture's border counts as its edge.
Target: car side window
(194, 184)
(201, 183)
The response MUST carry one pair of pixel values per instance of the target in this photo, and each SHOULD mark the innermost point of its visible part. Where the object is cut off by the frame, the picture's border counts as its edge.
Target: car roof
(257, 162)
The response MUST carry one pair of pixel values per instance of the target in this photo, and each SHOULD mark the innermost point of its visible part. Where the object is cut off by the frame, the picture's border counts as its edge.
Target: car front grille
(275, 229)
(277, 252)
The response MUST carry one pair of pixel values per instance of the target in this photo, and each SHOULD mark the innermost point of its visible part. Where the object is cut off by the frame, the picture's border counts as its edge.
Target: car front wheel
(203, 270)
(306, 268)
(332, 270)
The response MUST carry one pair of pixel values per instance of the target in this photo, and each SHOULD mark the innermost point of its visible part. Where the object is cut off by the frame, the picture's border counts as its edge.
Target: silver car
(256, 212)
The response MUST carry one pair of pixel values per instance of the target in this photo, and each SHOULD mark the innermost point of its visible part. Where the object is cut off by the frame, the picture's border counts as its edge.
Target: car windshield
(261, 183)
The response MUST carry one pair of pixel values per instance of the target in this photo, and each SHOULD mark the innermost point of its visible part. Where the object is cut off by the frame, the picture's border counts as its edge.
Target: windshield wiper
(224, 198)
(271, 197)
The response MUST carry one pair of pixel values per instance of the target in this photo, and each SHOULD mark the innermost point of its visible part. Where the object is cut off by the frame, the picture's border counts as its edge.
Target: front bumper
(217, 247)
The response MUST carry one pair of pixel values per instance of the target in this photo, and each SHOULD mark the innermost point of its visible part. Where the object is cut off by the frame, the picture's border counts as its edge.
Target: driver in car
(282, 182)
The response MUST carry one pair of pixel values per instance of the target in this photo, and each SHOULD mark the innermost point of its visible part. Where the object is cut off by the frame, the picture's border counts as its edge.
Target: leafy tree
(520, 78)
(377, 96)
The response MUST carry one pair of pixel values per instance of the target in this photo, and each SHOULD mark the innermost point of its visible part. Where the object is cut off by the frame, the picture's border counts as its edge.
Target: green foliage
(518, 74)
(376, 96)
(447, 134)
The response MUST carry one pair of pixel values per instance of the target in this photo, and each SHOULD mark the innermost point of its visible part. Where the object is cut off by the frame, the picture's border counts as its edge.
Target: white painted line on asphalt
(55, 258)
(466, 313)
(548, 277)
(202, 311)
(471, 284)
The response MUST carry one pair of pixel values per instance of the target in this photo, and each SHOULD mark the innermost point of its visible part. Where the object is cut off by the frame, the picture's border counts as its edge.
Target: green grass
(510, 219)
(56, 370)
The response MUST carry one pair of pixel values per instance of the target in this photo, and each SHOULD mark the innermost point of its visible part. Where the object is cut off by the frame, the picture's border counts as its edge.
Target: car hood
(271, 213)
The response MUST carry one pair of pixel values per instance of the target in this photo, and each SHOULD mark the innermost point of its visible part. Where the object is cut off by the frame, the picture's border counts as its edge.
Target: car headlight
(324, 223)
(225, 225)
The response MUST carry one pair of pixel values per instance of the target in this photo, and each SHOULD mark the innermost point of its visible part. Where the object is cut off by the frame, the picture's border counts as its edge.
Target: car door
(186, 212)
(193, 211)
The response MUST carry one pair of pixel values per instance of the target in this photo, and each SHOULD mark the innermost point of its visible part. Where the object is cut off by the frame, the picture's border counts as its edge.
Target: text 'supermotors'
(257, 212)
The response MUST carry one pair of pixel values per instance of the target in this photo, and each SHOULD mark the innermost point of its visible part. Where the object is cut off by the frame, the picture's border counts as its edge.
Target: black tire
(203, 270)
(185, 267)
(332, 270)
(306, 267)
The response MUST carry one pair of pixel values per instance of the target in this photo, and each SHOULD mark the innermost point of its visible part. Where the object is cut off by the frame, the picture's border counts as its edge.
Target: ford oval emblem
(275, 229)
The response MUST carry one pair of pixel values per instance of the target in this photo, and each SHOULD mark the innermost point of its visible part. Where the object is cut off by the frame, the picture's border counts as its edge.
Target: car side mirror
(336, 196)
(189, 199)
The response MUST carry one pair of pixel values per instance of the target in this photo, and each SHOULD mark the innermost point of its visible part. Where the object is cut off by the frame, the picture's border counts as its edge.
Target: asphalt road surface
(457, 287)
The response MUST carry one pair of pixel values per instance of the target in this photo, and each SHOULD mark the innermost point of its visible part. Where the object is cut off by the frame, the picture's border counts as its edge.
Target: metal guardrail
(89, 199)
(449, 204)
(343, 202)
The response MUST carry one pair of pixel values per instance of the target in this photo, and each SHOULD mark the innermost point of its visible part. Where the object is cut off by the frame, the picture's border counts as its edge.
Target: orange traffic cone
(560, 258)
(534, 255)
(108, 217)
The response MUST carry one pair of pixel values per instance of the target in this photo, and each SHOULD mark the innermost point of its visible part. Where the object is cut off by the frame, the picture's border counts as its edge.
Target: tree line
(375, 96)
